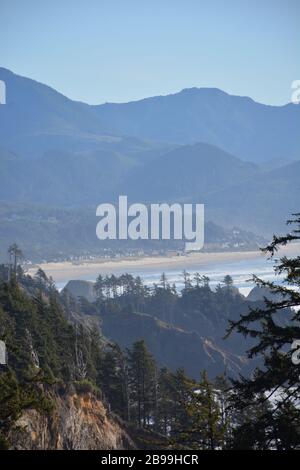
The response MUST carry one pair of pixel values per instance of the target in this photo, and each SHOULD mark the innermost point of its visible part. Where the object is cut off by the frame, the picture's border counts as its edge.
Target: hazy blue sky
(120, 50)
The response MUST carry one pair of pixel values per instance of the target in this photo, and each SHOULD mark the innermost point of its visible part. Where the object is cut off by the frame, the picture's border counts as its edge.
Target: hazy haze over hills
(239, 125)
(189, 146)
(38, 118)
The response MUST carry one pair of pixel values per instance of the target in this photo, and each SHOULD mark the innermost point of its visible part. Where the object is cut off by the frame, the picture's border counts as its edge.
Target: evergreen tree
(164, 281)
(99, 288)
(113, 380)
(181, 393)
(164, 418)
(186, 280)
(223, 395)
(205, 430)
(142, 383)
(275, 326)
(228, 281)
(15, 255)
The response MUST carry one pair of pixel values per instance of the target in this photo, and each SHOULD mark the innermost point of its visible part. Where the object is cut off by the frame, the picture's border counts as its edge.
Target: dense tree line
(163, 300)
(46, 350)
(46, 347)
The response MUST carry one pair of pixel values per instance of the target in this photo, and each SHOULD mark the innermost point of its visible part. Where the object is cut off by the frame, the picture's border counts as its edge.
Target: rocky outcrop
(79, 421)
(78, 288)
(259, 293)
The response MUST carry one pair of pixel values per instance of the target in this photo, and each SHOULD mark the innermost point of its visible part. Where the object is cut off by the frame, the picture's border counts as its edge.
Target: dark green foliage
(142, 383)
(278, 425)
(174, 324)
(190, 308)
(114, 380)
(206, 429)
(43, 348)
(47, 344)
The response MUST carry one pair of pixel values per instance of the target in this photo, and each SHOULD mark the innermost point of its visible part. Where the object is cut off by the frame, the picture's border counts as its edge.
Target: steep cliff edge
(79, 421)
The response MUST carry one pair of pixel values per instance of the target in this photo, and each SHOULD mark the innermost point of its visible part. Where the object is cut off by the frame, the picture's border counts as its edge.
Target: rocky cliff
(78, 288)
(79, 421)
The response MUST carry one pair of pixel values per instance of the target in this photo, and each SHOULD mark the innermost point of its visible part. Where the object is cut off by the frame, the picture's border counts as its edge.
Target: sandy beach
(64, 271)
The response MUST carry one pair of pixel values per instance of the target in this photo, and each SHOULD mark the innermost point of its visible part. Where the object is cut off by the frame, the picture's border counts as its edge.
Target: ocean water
(241, 271)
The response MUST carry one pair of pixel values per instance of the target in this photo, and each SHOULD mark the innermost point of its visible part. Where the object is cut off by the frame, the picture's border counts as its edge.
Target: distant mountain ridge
(235, 193)
(239, 125)
(187, 171)
(37, 118)
(186, 147)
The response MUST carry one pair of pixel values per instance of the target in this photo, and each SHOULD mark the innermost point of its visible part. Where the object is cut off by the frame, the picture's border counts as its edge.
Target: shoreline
(66, 270)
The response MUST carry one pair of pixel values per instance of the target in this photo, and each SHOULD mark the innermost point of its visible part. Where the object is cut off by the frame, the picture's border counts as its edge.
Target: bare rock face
(259, 293)
(78, 421)
(78, 288)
